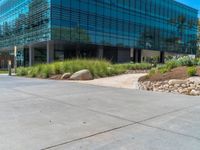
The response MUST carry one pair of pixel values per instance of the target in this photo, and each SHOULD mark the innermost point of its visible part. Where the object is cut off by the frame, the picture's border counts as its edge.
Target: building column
(137, 58)
(132, 54)
(15, 59)
(100, 52)
(31, 55)
(50, 51)
(162, 57)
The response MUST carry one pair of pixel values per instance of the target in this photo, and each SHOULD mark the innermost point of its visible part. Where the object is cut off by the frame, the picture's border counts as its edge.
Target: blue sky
(193, 3)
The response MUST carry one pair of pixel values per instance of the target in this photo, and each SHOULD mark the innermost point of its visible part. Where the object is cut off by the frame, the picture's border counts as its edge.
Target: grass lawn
(3, 72)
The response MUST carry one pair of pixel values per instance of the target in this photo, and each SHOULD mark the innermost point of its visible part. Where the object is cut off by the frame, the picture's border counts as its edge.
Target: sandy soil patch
(129, 81)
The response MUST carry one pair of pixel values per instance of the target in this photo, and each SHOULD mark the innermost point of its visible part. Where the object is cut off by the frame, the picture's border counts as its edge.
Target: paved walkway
(44, 114)
(128, 81)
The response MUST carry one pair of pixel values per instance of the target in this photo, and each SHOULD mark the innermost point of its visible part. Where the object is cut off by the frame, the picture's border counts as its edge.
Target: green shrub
(191, 71)
(152, 72)
(167, 67)
(171, 64)
(186, 61)
(164, 70)
(177, 62)
(198, 61)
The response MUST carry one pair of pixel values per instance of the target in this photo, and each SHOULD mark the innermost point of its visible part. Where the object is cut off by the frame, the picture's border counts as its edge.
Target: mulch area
(176, 73)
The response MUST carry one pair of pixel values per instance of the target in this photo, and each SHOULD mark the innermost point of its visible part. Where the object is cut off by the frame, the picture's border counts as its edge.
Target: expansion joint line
(86, 137)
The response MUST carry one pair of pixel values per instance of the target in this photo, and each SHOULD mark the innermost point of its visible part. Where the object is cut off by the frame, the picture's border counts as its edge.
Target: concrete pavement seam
(77, 106)
(171, 112)
(133, 122)
(170, 131)
(92, 135)
(113, 129)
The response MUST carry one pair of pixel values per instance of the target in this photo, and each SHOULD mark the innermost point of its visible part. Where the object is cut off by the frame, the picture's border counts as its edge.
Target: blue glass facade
(24, 22)
(146, 24)
(162, 25)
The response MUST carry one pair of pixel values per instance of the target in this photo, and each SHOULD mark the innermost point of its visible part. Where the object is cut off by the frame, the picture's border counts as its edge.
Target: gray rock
(192, 86)
(183, 85)
(82, 75)
(166, 86)
(175, 81)
(176, 85)
(55, 77)
(194, 92)
(65, 76)
(155, 89)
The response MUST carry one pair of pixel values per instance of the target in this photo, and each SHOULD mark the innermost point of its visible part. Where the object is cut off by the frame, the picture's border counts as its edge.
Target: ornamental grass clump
(46, 71)
(21, 71)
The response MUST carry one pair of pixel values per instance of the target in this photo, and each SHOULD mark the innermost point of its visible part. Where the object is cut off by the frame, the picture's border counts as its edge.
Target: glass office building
(119, 30)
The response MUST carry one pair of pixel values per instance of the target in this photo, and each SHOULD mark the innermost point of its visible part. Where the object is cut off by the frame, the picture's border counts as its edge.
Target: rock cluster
(188, 87)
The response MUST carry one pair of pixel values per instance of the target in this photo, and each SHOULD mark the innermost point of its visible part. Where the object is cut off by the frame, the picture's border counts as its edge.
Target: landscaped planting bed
(97, 68)
(178, 76)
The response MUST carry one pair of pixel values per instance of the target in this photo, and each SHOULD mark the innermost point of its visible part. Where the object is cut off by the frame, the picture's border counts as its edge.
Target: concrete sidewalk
(44, 114)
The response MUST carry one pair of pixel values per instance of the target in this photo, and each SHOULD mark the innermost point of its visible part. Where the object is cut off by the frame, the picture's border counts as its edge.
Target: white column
(15, 58)
(50, 51)
(132, 52)
(100, 52)
(31, 55)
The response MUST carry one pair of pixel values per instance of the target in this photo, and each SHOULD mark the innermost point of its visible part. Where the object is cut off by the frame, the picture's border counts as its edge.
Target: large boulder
(81, 75)
(65, 76)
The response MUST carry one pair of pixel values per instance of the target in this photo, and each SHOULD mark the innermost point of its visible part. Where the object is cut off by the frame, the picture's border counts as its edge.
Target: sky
(192, 3)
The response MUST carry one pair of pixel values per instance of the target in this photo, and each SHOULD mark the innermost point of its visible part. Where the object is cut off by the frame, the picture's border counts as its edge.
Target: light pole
(9, 68)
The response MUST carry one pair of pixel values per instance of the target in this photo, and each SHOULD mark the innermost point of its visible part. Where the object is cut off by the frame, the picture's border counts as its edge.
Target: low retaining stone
(188, 86)
(65, 76)
(81, 75)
